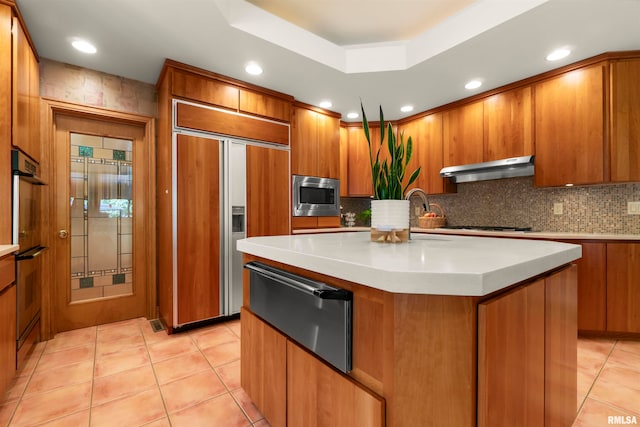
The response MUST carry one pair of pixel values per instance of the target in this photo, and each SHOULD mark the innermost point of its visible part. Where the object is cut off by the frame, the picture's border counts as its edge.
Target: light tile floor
(124, 374)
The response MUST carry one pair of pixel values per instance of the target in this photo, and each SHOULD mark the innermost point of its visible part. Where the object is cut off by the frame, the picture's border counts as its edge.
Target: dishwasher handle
(311, 287)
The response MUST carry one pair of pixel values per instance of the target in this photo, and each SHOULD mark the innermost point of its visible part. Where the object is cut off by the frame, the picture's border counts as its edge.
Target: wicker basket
(433, 222)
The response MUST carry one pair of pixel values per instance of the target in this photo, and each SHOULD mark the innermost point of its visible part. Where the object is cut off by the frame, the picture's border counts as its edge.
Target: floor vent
(157, 325)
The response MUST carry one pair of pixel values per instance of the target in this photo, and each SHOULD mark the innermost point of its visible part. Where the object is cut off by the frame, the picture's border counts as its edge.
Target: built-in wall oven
(315, 196)
(26, 234)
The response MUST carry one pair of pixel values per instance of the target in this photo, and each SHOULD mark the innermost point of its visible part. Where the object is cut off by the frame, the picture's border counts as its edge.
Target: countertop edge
(8, 249)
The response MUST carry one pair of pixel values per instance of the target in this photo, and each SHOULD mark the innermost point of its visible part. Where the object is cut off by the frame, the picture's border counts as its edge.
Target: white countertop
(428, 264)
(8, 249)
(546, 235)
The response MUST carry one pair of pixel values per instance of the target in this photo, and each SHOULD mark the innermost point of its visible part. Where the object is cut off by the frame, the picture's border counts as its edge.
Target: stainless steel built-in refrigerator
(209, 200)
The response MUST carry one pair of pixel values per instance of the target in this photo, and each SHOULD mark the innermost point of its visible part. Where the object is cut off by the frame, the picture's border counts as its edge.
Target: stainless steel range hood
(497, 169)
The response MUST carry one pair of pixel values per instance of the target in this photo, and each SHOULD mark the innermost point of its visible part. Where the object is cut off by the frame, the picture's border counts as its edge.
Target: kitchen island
(446, 330)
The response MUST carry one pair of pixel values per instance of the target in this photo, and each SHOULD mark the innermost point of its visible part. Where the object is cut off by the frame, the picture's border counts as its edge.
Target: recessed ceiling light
(253, 68)
(558, 54)
(326, 104)
(353, 115)
(84, 46)
(406, 108)
(473, 84)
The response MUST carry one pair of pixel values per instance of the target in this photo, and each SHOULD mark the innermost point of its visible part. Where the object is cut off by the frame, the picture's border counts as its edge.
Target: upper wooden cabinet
(26, 94)
(315, 143)
(359, 166)
(192, 83)
(344, 162)
(625, 120)
(569, 128)
(508, 125)
(426, 134)
(462, 134)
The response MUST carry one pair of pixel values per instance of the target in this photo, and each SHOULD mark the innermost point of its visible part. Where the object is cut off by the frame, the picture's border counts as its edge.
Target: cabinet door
(508, 127)
(265, 105)
(198, 293)
(5, 123)
(268, 191)
(263, 367)
(328, 157)
(318, 396)
(462, 130)
(7, 322)
(192, 86)
(592, 287)
(569, 128)
(26, 97)
(625, 121)
(304, 142)
(426, 133)
(359, 166)
(511, 358)
(561, 348)
(623, 292)
(344, 162)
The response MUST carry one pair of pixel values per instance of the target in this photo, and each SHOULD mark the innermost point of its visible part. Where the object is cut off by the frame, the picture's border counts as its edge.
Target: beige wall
(64, 82)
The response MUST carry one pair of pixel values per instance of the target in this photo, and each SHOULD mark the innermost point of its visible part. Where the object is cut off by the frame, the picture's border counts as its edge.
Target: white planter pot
(390, 220)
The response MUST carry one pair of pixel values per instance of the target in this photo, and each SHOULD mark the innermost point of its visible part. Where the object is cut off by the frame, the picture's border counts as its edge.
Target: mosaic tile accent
(517, 202)
(86, 282)
(85, 151)
(119, 155)
(118, 279)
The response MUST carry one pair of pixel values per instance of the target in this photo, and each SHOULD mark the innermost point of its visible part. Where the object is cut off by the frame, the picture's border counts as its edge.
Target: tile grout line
(596, 377)
(155, 375)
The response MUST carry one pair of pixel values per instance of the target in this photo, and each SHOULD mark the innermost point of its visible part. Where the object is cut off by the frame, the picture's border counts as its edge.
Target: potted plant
(389, 209)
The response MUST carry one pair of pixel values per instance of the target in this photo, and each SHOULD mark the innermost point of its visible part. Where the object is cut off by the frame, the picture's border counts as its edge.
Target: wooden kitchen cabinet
(511, 358)
(267, 191)
(5, 123)
(625, 121)
(198, 214)
(359, 166)
(26, 94)
(508, 125)
(315, 143)
(569, 128)
(265, 105)
(344, 162)
(462, 134)
(527, 354)
(263, 367)
(317, 395)
(7, 322)
(426, 133)
(592, 287)
(623, 292)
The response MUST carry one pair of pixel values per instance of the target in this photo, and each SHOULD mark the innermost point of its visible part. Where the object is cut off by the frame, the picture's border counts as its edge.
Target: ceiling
(385, 52)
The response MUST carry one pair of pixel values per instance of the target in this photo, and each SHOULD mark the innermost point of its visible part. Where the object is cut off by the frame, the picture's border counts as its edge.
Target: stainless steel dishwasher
(314, 314)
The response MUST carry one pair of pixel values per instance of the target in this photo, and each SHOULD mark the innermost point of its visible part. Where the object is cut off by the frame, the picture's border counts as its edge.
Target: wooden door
(198, 220)
(508, 125)
(560, 348)
(328, 156)
(344, 162)
(511, 358)
(5, 123)
(569, 128)
(263, 368)
(623, 292)
(268, 191)
(359, 167)
(592, 287)
(7, 322)
(462, 134)
(102, 228)
(625, 121)
(304, 142)
(319, 396)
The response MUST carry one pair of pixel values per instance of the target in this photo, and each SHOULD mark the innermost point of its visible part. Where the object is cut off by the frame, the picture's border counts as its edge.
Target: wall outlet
(633, 208)
(558, 208)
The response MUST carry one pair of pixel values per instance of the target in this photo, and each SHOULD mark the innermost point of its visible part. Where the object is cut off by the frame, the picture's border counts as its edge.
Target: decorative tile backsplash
(517, 202)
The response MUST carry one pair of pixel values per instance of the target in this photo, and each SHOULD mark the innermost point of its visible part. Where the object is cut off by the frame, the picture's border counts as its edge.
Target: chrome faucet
(425, 202)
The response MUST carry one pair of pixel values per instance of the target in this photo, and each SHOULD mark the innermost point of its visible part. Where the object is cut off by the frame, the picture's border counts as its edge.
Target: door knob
(63, 234)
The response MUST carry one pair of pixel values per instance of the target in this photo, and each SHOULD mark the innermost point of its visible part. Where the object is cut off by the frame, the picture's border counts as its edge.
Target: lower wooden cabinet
(592, 287)
(527, 354)
(7, 322)
(291, 387)
(623, 290)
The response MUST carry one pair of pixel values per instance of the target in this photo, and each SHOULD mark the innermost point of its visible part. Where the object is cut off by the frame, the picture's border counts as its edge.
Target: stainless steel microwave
(314, 196)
